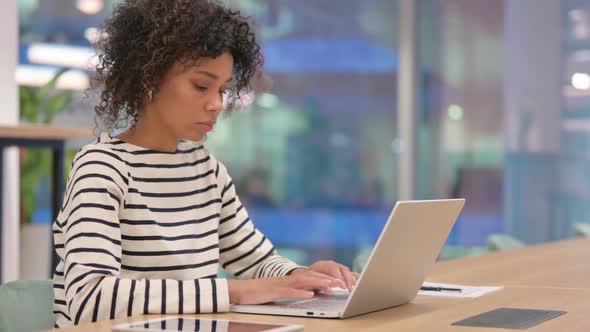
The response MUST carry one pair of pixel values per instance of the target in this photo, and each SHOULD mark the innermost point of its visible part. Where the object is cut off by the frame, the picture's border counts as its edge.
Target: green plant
(38, 105)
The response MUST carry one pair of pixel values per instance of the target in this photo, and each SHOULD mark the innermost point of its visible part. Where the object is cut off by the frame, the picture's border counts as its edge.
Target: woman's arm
(247, 253)
(244, 251)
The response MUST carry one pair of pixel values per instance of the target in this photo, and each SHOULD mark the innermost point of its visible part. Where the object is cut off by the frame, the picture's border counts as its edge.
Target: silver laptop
(400, 261)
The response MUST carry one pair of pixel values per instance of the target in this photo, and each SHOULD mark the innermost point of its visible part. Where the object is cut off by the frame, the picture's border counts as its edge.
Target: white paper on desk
(466, 291)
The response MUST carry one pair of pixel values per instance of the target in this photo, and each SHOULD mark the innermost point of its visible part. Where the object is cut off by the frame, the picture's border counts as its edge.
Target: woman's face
(190, 98)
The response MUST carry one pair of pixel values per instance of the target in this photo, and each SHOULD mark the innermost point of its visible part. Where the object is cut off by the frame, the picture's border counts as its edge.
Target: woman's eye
(201, 88)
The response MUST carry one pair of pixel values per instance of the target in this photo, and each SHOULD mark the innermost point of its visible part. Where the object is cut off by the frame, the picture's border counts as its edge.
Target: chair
(296, 255)
(26, 305)
(581, 230)
(503, 242)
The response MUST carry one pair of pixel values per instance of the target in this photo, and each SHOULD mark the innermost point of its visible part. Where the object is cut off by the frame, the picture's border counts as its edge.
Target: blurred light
(455, 112)
(579, 19)
(581, 31)
(243, 103)
(581, 81)
(339, 140)
(581, 56)
(247, 99)
(576, 125)
(90, 7)
(38, 76)
(268, 100)
(397, 146)
(92, 34)
(571, 92)
(63, 55)
(576, 15)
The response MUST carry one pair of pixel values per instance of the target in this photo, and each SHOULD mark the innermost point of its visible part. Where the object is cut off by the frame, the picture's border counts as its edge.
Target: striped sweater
(144, 232)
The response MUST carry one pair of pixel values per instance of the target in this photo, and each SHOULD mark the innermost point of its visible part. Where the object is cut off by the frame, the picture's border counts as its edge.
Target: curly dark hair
(144, 38)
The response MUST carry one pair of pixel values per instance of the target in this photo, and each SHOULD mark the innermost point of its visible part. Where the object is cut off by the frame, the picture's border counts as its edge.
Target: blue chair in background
(581, 230)
(459, 251)
(26, 305)
(503, 242)
(296, 255)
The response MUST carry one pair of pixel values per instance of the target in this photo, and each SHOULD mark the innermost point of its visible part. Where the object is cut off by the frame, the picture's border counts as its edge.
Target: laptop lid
(403, 255)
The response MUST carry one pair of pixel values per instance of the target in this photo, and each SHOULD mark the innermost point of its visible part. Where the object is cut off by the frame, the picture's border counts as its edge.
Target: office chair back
(581, 230)
(503, 242)
(26, 305)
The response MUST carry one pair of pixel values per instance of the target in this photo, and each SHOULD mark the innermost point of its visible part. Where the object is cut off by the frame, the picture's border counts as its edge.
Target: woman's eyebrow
(209, 74)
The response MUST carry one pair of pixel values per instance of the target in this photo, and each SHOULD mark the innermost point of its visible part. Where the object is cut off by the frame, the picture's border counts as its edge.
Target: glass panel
(505, 121)
(461, 133)
(314, 157)
(571, 208)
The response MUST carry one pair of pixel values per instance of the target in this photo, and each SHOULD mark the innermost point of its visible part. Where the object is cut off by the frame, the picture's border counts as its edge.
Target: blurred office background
(502, 115)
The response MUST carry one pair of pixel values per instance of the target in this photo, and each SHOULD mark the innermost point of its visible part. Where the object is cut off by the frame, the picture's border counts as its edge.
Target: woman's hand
(257, 291)
(346, 278)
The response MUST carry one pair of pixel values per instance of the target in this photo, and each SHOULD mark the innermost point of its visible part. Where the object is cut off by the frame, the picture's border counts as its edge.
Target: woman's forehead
(220, 67)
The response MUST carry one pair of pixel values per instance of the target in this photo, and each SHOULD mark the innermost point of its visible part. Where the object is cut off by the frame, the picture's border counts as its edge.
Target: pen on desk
(440, 289)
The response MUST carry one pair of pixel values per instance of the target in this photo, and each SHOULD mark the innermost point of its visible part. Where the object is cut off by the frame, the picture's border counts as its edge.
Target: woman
(149, 215)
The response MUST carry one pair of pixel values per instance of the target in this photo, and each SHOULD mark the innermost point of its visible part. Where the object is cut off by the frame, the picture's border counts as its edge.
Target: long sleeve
(244, 251)
(88, 239)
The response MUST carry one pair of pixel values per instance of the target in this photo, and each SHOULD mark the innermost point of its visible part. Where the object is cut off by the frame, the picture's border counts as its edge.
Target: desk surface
(429, 313)
(32, 131)
(563, 264)
(553, 270)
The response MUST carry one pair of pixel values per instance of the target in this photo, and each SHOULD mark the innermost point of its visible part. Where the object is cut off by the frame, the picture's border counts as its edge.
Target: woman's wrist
(233, 289)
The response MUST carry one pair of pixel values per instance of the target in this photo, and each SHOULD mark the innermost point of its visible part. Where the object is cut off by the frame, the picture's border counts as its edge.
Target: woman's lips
(205, 126)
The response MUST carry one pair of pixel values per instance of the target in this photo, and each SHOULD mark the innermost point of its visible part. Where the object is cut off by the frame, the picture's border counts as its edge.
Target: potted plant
(37, 105)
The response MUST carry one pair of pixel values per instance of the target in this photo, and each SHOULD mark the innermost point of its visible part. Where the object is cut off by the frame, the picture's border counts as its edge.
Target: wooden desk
(564, 264)
(40, 136)
(429, 314)
(42, 132)
(436, 314)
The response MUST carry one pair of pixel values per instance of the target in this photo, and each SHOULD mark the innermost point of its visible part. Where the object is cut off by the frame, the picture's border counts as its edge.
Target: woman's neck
(150, 135)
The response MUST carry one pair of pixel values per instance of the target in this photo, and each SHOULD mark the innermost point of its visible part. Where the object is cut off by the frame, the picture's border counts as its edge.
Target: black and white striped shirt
(144, 232)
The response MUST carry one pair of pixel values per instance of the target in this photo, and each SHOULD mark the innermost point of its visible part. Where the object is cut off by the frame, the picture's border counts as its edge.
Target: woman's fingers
(336, 278)
(327, 291)
(319, 278)
(296, 293)
(347, 276)
(310, 282)
(304, 285)
(343, 275)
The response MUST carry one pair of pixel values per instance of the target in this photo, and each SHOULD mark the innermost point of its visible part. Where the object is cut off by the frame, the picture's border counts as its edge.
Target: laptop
(398, 265)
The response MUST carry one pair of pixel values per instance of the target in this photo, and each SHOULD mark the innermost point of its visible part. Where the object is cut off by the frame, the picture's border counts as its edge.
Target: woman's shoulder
(205, 157)
(109, 149)
(103, 149)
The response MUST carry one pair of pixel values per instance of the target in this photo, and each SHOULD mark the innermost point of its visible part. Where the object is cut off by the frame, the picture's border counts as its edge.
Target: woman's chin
(195, 136)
